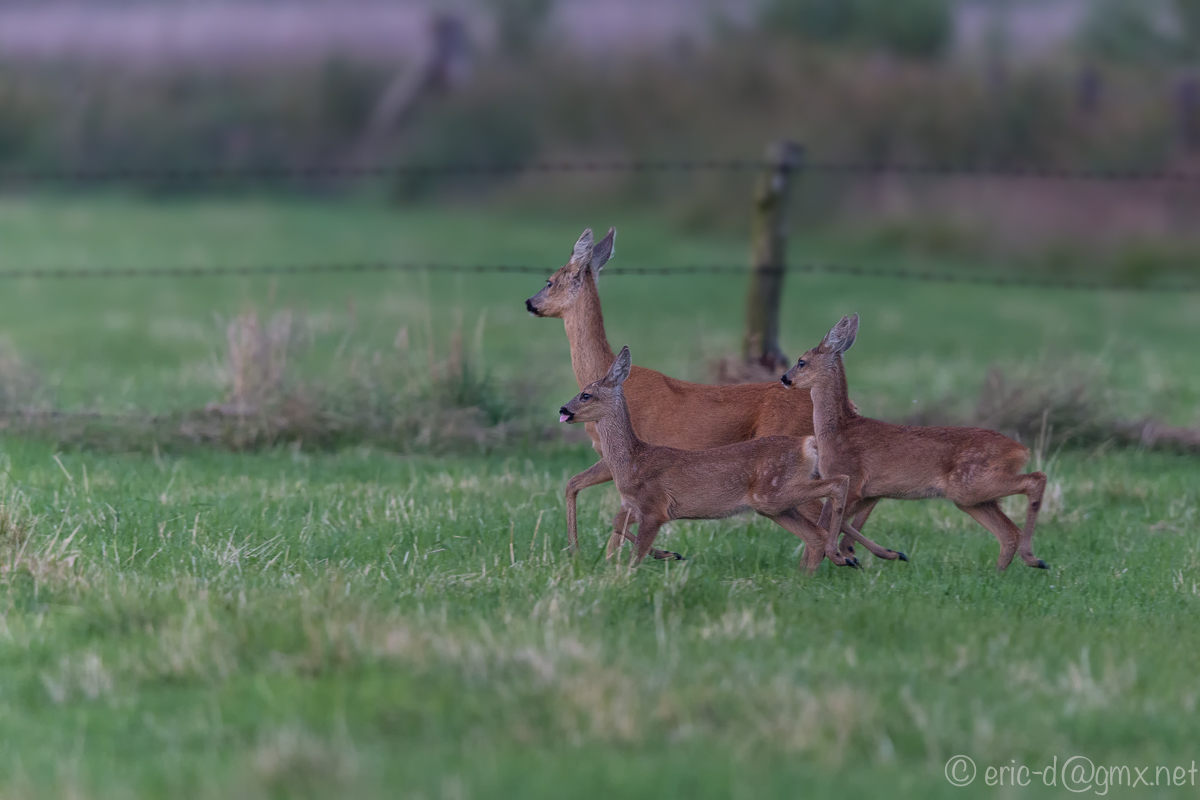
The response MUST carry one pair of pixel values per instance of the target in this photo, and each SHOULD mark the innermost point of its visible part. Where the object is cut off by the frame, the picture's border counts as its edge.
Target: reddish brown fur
(973, 467)
(664, 411)
(771, 475)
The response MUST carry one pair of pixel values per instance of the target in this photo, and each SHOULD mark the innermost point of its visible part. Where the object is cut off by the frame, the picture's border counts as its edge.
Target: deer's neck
(619, 443)
(590, 354)
(832, 411)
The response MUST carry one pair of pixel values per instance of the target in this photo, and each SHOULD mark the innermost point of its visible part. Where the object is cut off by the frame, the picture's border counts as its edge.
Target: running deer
(771, 475)
(973, 467)
(664, 411)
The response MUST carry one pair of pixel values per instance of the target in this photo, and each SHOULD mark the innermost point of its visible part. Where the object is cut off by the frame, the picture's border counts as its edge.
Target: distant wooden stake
(769, 257)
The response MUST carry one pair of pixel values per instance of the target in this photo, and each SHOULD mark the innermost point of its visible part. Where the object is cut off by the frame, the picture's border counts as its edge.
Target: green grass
(358, 623)
(368, 624)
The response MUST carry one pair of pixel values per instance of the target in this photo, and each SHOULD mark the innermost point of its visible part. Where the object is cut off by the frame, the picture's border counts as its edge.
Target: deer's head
(599, 398)
(580, 273)
(822, 360)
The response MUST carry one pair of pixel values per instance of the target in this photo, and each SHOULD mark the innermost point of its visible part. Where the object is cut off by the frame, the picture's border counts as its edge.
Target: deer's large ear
(833, 339)
(848, 334)
(582, 254)
(619, 370)
(602, 252)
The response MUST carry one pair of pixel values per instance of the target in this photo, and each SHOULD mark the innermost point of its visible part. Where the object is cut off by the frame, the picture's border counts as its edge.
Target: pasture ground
(362, 623)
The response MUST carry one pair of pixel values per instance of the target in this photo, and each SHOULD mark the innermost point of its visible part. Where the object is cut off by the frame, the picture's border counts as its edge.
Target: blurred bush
(1143, 31)
(471, 130)
(519, 23)
(916, 28)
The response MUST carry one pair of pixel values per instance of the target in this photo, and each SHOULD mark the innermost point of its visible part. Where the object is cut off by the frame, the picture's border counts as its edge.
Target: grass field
(361, 623)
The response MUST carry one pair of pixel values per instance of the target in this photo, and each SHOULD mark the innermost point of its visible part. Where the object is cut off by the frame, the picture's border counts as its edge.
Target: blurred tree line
(1148, 32)
(915, 28)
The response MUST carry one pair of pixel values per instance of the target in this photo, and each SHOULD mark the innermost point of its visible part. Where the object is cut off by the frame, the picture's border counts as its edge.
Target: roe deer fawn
(771, 475)
(973, 467)
(664, 411)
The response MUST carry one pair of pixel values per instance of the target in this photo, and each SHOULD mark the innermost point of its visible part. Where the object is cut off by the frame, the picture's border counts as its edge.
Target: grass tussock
(1050, 411)
(26, 552)
(278, 391)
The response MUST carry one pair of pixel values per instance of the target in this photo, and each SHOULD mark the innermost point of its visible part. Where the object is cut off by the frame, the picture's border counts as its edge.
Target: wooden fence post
(768, 245)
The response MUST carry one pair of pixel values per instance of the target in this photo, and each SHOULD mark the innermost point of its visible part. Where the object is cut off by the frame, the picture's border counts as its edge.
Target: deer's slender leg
(1035, 489)
(620, 532)
(621, 524)
(812, 536)
(647, 530)
(991, 517)
(851, 531)
(836, 489)
(592, 476)
(854, 531)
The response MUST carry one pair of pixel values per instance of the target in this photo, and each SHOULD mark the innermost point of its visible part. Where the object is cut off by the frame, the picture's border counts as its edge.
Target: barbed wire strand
(328, 171)
(928, 276)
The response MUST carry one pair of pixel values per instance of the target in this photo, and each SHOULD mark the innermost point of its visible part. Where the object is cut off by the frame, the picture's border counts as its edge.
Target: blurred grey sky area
(233, 29)
(223, 30)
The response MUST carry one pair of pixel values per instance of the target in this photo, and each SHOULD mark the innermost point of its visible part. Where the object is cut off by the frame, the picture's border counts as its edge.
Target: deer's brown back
(916, 462)
(697, 416)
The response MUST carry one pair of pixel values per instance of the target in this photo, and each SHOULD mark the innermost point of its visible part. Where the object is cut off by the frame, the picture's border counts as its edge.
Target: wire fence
(267, 270)
(310, 172)
(315, 172)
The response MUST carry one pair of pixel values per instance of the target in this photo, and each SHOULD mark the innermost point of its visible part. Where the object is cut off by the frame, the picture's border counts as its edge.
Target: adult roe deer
(973, 467)
(664, 411)
(771, 475)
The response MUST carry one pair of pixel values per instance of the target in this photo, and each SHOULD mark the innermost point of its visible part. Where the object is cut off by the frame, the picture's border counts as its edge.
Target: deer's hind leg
(1033, 486)
(991, 517)
(647, 530)
(812, 536)
(1035, 489)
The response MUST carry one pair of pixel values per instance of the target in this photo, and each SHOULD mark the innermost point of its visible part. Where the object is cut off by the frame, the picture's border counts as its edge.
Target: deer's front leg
(595, 474)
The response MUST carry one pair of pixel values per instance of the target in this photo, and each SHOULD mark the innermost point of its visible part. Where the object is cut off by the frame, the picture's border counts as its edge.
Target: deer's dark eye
(549, 283)
(585, 396)
(800, 364)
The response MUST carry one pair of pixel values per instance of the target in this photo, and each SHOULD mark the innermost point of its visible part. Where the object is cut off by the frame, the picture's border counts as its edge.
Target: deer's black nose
(529, 306)
(785, 380)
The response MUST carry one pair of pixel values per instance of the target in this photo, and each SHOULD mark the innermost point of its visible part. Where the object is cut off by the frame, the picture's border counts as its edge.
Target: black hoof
(1041, 565)
(677, 557)
(900, 556)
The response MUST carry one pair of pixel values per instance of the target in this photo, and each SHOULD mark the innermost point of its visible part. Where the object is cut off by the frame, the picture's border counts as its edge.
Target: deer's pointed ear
(833, 339)
(582, 253)
(849, 333)
(620, 368)
(602, 252)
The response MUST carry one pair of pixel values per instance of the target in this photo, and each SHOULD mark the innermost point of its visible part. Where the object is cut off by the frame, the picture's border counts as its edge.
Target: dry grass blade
(24, 552)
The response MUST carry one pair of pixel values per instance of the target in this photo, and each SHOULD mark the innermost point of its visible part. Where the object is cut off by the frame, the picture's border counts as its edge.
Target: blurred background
(172, 134)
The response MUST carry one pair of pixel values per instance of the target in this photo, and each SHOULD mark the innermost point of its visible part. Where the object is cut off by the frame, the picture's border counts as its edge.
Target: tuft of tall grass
(442, 399)
(25, 551)
(1052, 411)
